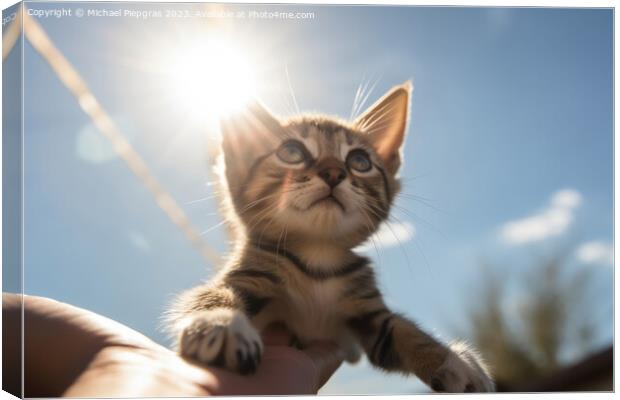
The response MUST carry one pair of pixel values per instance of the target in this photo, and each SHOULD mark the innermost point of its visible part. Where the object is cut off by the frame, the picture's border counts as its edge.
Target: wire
(12, 33)
(71, 79)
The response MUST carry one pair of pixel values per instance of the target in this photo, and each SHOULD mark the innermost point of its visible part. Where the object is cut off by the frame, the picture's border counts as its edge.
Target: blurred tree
(529, 340)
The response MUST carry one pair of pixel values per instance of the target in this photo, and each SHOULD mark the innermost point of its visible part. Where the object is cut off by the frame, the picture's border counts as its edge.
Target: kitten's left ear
(247, 135)
(385, 123)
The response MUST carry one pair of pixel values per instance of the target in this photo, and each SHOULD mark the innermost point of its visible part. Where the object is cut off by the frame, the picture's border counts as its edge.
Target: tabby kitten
(303, 193)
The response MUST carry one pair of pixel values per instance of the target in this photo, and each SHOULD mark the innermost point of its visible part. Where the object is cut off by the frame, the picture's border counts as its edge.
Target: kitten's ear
(385, 123)
(247, 135)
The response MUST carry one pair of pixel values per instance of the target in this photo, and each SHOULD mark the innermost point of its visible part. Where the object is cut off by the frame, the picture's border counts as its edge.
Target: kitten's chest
(311, 308)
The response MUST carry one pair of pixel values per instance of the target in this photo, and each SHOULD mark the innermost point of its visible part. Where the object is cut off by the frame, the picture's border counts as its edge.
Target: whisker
(269, 196)
(372, 88)
(213, 227)
(417, 218)
(370, 237)
(260, 237)
(255, 202)
(290, 86)
(285, 100)
(421, 200)
(246, 209)
(426, 263)
(362, 92)
(412, 178)
(403, 249)
(417, 196)
(202, 199)
(278, 245)
(260, 217)
(356, 99)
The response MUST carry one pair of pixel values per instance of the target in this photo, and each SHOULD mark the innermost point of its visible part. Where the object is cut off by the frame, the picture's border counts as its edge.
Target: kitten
(303, 193)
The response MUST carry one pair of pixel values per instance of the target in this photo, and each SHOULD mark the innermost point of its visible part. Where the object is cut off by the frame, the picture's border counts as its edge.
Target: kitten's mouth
(328, 200)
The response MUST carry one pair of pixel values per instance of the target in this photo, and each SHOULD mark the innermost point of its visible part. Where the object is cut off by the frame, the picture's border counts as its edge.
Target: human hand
(283, 369)
(74, 352)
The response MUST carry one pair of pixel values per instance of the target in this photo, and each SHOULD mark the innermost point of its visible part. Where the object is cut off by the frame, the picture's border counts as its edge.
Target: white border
(477, 3)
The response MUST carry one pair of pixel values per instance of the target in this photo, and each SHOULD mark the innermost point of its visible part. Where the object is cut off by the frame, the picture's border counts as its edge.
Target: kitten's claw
(222, 338)
(462, 372)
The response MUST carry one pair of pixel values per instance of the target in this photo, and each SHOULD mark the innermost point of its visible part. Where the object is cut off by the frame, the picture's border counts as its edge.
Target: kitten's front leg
(462, 371)
(394, 343)
(212, 325)
(221, 337)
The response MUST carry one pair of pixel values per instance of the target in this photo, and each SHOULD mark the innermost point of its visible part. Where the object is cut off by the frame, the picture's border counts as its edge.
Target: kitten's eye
(359, 161)
(292, 152)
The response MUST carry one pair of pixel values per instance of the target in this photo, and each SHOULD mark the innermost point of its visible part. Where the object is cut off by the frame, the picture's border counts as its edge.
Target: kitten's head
(315, 177)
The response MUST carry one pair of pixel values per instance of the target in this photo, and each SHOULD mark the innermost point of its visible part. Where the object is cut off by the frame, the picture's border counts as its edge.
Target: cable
(77, 86)
(12, 33)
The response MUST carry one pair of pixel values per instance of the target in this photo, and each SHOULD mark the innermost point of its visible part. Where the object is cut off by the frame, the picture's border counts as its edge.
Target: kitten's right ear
(385, 124)
(247, 135)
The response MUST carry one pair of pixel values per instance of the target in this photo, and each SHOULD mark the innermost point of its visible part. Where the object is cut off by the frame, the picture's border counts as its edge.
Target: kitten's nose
(333, 175)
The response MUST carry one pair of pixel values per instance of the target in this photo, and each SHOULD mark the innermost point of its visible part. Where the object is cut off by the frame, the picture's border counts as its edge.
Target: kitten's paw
(463, 371)
(223, 338)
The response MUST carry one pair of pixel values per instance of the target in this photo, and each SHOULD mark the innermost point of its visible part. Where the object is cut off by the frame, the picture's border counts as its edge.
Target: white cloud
(566, 198)
(389, 235)
(595, 252)
(554, 220)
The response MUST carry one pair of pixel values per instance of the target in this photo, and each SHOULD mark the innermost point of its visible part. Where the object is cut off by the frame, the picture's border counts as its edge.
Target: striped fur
(303, 193)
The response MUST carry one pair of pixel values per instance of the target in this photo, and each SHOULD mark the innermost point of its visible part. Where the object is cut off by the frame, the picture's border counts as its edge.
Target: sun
(211, 78)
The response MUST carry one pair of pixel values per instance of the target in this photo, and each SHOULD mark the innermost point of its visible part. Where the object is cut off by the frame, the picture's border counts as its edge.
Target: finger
(326, 357)
(276, 334)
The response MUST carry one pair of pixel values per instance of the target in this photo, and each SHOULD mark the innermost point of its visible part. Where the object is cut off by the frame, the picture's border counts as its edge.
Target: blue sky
(510, 145)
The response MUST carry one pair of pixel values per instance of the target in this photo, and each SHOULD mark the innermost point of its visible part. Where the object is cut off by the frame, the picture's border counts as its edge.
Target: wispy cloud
(553, 220)
(595, 252)
(389, 235)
